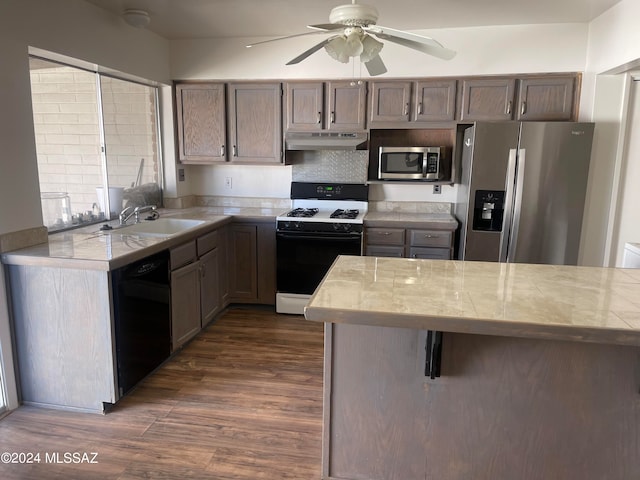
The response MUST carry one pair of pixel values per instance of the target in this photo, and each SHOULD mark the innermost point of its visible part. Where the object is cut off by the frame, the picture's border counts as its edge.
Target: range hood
(325, 141)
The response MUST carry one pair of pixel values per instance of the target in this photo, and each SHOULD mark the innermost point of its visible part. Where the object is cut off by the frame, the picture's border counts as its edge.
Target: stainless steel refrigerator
(522, 191)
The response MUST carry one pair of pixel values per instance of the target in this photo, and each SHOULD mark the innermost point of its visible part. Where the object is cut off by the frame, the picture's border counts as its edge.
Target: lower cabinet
(409, 243)
(195, 287)
(252, 262)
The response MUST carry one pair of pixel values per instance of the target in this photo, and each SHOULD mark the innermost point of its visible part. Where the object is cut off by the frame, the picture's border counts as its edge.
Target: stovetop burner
(302, 212)
(342, 213)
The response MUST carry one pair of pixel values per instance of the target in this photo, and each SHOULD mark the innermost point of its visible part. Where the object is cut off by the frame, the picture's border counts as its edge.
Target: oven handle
(325, 236)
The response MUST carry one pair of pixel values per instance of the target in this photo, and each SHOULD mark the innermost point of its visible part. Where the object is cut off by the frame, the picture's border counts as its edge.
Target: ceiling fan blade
(327, 27)
(285, 38)
(375, 66)
(417, 42)
(311, 51)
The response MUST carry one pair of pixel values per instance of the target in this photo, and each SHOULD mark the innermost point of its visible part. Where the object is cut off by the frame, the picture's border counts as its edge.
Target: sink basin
(161, 227)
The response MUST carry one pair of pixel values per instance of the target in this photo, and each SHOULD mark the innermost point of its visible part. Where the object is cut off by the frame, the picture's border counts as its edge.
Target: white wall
(481, 51)
(626, 224)
(613, 48)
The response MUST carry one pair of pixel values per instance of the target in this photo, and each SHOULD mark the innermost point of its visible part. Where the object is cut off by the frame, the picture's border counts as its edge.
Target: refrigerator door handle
(517, 206)
(508, 205)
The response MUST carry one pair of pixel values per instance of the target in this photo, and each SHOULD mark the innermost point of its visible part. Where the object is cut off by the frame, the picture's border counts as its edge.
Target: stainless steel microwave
(410, 163)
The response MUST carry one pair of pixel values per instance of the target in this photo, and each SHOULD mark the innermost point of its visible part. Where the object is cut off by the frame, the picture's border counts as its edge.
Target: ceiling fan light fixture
(136, 18)
(370, 48)
(336, 48)
(343, 47)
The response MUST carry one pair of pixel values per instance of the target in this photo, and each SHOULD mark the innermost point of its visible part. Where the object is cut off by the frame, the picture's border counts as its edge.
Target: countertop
(90, 248)
(588, 304)
(436, 221)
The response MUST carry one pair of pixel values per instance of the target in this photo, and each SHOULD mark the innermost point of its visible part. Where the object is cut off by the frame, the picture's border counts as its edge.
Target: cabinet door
(223, 264)
(384, 251)
(546, 98)
(185, 303)
(266, 263)
(305, 106)
(390, 102)
(430, 238)
(430, 253)
(346, 106)
(255, 123)
(201, 123)
(386, 402)
(487, 99)
(243, 275)
(384, 236)
(209, 286)
(435, 101)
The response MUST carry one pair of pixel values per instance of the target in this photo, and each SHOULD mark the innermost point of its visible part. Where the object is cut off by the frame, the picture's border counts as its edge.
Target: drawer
(430, 238)
(430, 253)
(183, 255)
(384, 251)
(385, 236)
(207, 242)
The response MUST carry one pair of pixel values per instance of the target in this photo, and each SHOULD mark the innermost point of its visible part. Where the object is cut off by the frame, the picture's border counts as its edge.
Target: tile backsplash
(337, 166)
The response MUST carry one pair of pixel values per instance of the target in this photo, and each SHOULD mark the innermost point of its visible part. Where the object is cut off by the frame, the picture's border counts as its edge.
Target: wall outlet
(437, 189)
(228, 183)
(181, 174)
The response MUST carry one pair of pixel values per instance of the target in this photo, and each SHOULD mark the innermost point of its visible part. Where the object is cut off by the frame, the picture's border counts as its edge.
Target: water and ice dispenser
(488, 210)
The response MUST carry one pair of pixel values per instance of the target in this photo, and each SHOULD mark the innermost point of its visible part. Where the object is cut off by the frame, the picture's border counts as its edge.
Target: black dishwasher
(142, 306)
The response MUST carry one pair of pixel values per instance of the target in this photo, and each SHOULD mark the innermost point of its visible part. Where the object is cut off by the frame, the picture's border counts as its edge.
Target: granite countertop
(437, 221)
(90, 248)
(589, 304)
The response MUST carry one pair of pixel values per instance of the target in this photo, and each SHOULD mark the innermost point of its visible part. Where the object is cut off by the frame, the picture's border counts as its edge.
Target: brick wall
(67, 132)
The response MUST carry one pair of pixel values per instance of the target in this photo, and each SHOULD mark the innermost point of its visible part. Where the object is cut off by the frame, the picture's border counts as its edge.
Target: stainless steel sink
(162, 227)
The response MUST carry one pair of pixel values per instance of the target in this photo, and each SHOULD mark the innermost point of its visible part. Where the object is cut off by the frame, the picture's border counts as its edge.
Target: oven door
(303, 259)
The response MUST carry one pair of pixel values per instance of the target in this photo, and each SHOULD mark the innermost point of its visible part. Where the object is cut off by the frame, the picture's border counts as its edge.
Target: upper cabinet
(243, 122)
(393, 103)
(201, 122)
(547, 97)
(487, 99)
(335, 106)
(304, 104)
(254, 120)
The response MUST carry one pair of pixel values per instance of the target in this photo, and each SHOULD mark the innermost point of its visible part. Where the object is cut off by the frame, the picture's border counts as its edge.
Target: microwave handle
(425, 156)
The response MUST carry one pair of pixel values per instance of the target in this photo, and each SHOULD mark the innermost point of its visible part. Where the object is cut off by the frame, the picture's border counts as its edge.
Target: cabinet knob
(523, 108)
(509, 106)
(406, 109)
(420, 108)
(333, 117)
(235, 151)
(222, 151)
(319, 117)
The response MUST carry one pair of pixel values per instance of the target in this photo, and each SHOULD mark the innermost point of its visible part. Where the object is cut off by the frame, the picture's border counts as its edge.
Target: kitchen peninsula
(539, 373)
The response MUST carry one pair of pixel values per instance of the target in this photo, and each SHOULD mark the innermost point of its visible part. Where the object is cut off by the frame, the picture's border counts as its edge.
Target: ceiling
(175, 19)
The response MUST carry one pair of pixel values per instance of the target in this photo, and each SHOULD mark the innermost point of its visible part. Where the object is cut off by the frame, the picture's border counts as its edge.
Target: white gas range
(326, 221)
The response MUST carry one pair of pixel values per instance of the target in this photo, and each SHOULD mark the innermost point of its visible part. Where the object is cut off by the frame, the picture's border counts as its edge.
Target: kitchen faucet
(129, 212)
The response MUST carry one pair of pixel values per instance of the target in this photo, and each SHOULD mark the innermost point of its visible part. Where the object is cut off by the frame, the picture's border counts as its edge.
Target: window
(97, 142)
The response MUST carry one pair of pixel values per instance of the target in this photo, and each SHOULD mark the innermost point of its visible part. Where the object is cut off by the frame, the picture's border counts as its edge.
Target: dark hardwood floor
(243, 400)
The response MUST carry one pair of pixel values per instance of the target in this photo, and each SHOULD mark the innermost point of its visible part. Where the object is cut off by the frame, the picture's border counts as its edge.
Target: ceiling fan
(356, 24)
